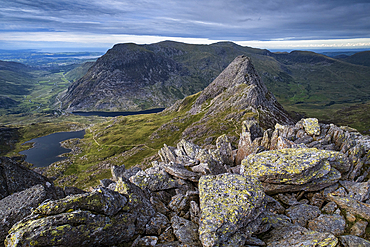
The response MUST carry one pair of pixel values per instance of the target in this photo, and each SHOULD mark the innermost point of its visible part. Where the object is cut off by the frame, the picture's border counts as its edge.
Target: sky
(96, 25)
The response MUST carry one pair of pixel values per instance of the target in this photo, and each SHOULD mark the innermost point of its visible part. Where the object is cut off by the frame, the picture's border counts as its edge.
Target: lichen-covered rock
(145, 241)
(359, 228)
(224, 148)
(17, 206)
(100, 200)
(335, 224)
(138, 205)
(117, 171)
(230, 208)
(185, 231)
(154, 182)
(357, 191)
(179, 171)
(329, 208)
(15, 178)
(353, 241)
(352, 206)
(157, 225)
(301, 213)
(287, 166)
(76, 228)
(284, 233)
(311, 126)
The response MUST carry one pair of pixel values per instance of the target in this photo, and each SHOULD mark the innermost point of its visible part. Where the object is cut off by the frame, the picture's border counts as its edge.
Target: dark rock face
(239, 87)
(15, 207)
(127, 77)
(15, 178)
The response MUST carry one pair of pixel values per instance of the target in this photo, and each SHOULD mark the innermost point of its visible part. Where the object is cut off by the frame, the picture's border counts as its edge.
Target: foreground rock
(295, 169)
(231, 209)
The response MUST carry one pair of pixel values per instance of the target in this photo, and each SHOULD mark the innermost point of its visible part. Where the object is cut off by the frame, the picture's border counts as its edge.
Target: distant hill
(15, 78)
(137, 77)
(361, 58)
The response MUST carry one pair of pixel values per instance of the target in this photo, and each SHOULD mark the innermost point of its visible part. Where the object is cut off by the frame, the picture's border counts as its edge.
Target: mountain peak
(239, 87)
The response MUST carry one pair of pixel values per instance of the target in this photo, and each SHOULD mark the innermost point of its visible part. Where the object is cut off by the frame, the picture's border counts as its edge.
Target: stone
(154, 182)
(76, 228)
(100, 200)
(353, 241)
(352, 206)
(331, 178)
(167, 154)
(180, 204)
(335, 224)
(15, 178)
(185, 231)
(329, 208)
(167, 236)
(17, 206)
(357, 191)
(145, 241)
(230, 207)
(180, 171)
(224, 147)
(287, 166)
(188, 148)
(286, 234)
(311, 126)
(359, 228)
(117, 171)
(287, 199)
(157, 225)
(302, 213)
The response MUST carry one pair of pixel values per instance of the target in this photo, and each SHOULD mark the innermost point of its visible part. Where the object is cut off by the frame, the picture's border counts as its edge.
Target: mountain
(360, 58)
(136, 77)
(15, 78)
(236, 95)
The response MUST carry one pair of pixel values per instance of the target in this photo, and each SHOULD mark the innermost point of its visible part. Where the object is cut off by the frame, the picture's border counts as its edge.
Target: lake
(115, 114)
(46, 149)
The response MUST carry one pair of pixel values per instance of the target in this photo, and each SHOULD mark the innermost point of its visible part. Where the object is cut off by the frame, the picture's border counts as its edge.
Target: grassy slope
(133, 140)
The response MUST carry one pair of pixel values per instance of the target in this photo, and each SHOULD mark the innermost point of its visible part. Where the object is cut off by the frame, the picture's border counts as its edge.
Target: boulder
(185, 231)
(352, 206)
(15, 178)
(231, 206)
(353, 241)
(224, 147)
(17, 206)
(302, 213)
(335, 224)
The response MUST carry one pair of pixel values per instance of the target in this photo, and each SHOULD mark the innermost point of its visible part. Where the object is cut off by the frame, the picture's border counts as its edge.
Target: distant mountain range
(137, 77)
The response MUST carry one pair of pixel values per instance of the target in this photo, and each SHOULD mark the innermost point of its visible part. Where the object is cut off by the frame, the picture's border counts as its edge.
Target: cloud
(236, 20)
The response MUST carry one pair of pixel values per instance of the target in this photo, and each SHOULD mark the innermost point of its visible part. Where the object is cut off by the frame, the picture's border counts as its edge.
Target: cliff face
(127, 77)
(136, 77)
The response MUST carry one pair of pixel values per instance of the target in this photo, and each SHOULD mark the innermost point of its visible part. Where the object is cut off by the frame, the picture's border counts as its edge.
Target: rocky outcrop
(318, 191)
(15, 178)
(232, 208)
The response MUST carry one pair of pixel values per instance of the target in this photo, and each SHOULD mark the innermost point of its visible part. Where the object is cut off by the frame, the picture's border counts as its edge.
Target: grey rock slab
(301, 213)
(101, 200)
(157, 225)
(185, 231)
(76, 228)
(15, 207)
(335, 224)
(154, 182)
(230, 207)
(359, 228)
(357, 191)
(352, 206)
(353, 241)
(179, 171)
(295, 166)
(224, 147)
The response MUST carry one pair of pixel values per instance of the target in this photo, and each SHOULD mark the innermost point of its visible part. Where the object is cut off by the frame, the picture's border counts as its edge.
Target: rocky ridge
(281, 194)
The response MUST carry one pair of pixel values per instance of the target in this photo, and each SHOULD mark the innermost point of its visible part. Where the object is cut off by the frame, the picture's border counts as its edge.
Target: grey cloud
(217, 19)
